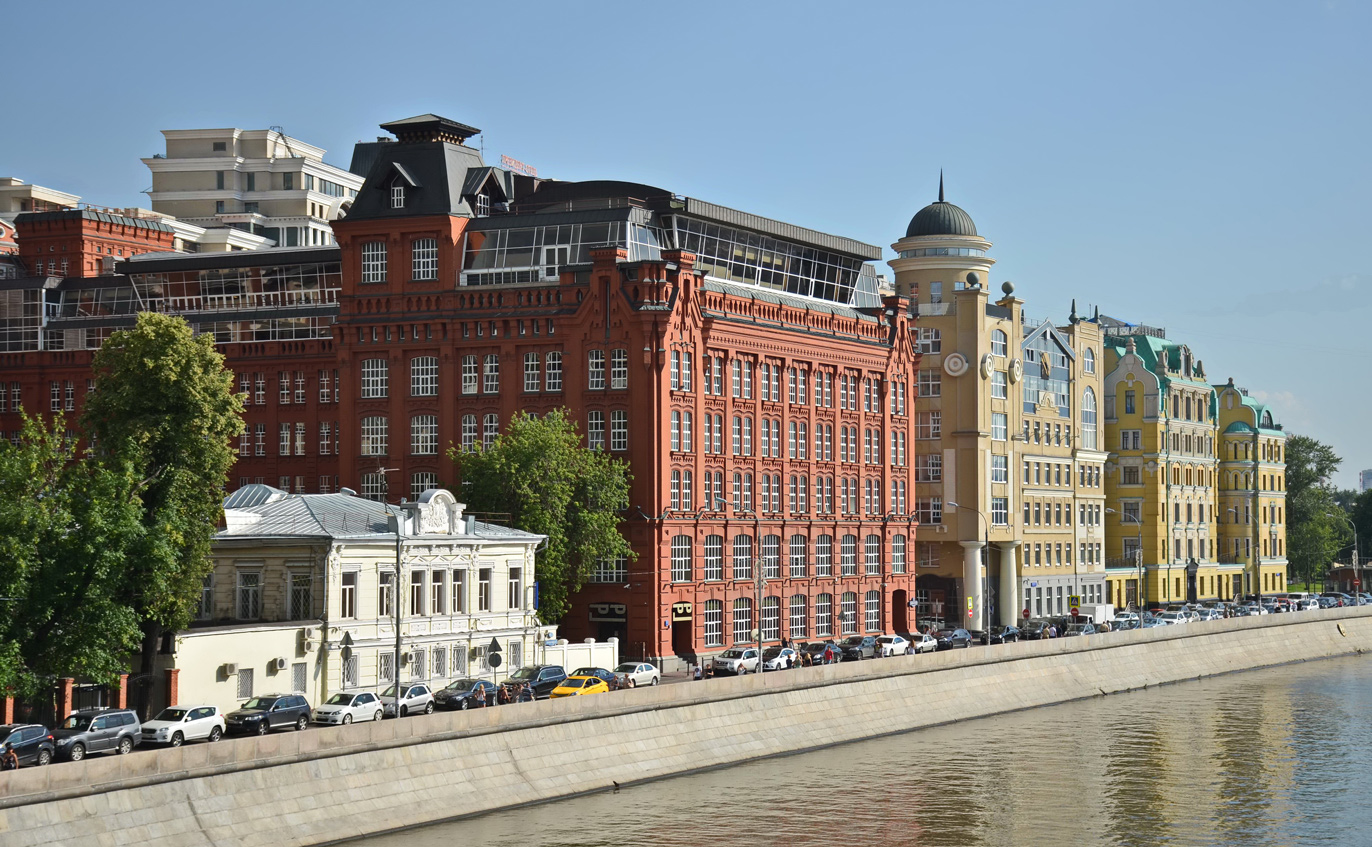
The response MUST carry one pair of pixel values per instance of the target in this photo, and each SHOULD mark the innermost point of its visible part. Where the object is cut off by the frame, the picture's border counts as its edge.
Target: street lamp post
(986, 565)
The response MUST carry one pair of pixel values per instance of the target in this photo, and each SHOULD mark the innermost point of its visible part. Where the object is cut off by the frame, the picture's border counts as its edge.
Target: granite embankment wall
(331, 784)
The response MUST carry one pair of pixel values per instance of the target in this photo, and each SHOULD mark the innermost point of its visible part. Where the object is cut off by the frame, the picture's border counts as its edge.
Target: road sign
(493, 660)
(1025, 613)
(1075, 611)
(969, 607)
(1074, 600)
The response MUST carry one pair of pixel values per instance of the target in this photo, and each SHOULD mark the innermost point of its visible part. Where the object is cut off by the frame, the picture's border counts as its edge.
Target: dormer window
(397, 195)
(483, 205)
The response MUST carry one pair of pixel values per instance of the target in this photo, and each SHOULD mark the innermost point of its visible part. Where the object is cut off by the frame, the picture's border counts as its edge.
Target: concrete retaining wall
(330, 784)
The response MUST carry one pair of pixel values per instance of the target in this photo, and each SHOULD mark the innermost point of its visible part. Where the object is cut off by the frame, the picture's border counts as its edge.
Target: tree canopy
(164, 406)
(538, 473)
(1315, 529)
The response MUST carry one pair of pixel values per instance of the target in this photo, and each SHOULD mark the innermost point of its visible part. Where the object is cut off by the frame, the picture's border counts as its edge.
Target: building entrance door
(900, 621)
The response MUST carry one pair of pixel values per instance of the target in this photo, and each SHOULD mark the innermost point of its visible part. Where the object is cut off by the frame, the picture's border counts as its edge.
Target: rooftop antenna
(940, 185)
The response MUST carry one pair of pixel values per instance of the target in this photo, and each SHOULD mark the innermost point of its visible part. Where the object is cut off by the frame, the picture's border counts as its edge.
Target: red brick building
(749, 370)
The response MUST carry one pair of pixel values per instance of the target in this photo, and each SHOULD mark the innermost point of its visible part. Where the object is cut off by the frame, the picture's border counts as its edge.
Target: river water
(1273, 757)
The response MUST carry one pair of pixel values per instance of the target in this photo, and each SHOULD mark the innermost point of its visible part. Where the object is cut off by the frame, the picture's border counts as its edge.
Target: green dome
(940, 218)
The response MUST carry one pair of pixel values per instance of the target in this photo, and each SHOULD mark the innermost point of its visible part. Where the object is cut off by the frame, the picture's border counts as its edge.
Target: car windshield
(341, 700)
(260, 703)
(587, 672)
(852, 641)
(732, 654)
(627, 667)
(573, 683)
(945, 633)
(77, 722)
(171, 715)
(463, 684)
(524, 673)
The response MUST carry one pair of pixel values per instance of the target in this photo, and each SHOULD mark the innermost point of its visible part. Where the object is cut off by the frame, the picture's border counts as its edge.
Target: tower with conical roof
(940, 249)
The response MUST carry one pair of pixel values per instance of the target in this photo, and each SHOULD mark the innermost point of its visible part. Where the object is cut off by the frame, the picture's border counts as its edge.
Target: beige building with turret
(1007, 439)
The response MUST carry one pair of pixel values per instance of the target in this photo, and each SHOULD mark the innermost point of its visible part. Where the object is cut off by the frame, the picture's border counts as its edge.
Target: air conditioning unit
(279, 663)
(307, 645)
(406, 657)
(308, 633)
(230, 668)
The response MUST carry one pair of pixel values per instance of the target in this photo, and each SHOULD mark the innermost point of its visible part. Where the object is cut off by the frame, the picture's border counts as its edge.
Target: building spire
(1073, 317)
(940, 185)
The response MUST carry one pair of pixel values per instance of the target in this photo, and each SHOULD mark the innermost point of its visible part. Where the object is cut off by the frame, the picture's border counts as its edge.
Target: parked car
(541, 678)
(925, 643)
(1034, 629)
(346, 708)
(415, 697)
(1003, 634)
(97, 731)
(892, 645)
(261, 715)
(175, 725)
(1174, 618)
(1339, 597)
(642, 673)
(574, 686)
(1079, 629)
(599, 673)
(779, 658)
(949, 639)
(463, 694)
(859, 647)
(816, 651)
(32, 743)
(736, 660)
(1309, 604)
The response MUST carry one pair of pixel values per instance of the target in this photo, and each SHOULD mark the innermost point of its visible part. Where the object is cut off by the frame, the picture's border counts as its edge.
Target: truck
(1097, 613)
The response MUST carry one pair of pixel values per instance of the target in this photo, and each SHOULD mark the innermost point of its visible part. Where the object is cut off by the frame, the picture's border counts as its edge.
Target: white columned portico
(1009, 582)
(971, 586)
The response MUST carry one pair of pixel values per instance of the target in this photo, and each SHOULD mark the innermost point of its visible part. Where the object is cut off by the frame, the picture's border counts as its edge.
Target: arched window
(743, 557)
(771, 618)
(1089, 361)
(848, 613)
(743, 620)
(999, 343)
(681, 558)
(798, 616)
(871, 612)
(1088, 419)
(824, 615)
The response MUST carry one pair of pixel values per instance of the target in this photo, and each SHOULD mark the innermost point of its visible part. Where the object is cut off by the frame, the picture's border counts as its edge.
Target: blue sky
(1197, 166)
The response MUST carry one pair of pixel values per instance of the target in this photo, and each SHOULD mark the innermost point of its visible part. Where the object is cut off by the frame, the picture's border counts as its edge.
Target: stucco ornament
(1016, 370)
(988, 364)
(955, 364)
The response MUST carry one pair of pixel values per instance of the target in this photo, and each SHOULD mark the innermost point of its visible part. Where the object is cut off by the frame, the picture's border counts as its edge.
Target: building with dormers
(1251, 504)
(1006, 445)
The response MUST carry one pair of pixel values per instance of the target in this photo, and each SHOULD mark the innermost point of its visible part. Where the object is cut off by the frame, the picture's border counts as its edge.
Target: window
(301, 606)
(490, 381)
(619, 369)
(998, 343)
(205, 611)
(374, 436)
(929, 425)
(1129, 402)
(824, 615)
(712, 559)
(490, 429)
(424, 376)
(248, 604)
(285, 445)
(771, 557)
(483, 590)
(743, 557)
(515, 590)
(676, 370)
(797, 627)
(595, 430)
(1130, 475)
(259, 439)
(798, 565)
(469, 432)
(374, 377)
(771, 618)
(1000, 468)
(999, 385)
(459, 592)
(424, 258)
(681, 558)
(619, 429)
(1088, 419)
(871, 554)
(532, 361)
(552, 376)
(713, 623)
(397, 194)
(424, 435)
(848, 612)
(871, 612)
(824, 555)
(743, 620)
(470, 374)
(347, 598)
(1000, 511)
(374, 261)
(420, 482)
(929, 511)
(999, 426)
(898, 554)
(928, 340)
(299, 443)
(596, 369)
(1089, 361)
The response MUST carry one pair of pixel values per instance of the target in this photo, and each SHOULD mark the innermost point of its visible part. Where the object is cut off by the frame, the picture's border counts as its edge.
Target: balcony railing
(244, 300)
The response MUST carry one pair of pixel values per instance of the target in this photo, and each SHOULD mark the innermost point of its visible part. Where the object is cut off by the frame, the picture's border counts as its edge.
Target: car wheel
(125, 746)
(263, 728)
(464, 705)
(44, 757)
(301, 723)
(429, 708)
(215, 734)
(403, 711)
(378, 716)
(177, 740)
(656, 680)
(78, 752)
(347, 719)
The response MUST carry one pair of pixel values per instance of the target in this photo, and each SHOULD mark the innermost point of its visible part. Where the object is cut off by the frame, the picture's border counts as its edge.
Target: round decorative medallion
(1016, 370)
(988, 363)
(955, 364)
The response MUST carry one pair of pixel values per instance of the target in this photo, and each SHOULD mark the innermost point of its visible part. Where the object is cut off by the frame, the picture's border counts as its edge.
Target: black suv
(97, 731)
(33, 744)
(541, 678)
(261, 715)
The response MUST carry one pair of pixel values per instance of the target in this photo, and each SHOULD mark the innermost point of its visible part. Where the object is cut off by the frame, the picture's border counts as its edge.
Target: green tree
(66, 525)
(1314, 529)
(164, 404)
(539, 473)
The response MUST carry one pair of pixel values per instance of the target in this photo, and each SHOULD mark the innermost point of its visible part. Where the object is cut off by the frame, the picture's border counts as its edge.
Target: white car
(925, 643)
(891, 645)
(737, 660)
(642, 673)
(1173, 618)
(415, 697)
(175, 725)
(1309, 604)
(779, 659)
(345, 708)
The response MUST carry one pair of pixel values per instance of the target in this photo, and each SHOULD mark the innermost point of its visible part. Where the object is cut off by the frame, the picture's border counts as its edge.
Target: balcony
(245, 300)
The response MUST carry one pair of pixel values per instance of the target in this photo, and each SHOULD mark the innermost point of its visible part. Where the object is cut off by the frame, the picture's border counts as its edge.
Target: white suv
(175, 725)
(415, 697)
(738, 660)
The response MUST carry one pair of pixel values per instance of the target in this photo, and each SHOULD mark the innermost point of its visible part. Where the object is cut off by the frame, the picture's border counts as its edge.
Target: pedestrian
(8, 760)
(790, 661)
(828, 655)
(696, 672)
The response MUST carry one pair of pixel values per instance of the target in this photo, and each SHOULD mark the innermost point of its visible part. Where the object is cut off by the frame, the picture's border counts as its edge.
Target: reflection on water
(1273, 757)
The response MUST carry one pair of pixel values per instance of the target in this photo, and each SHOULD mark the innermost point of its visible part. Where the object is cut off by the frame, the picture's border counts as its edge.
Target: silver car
(641, 673)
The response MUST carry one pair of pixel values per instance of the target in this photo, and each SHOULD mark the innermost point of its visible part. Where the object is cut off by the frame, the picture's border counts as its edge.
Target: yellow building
(1007, 447)
(1163, 479)
(1252, 490)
